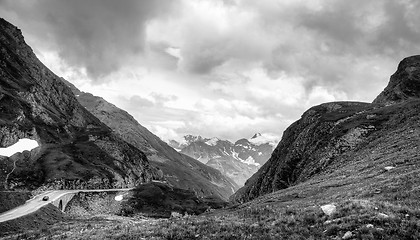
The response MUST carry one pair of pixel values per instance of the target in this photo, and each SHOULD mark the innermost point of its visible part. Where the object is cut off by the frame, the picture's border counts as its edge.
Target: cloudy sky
(224, 68)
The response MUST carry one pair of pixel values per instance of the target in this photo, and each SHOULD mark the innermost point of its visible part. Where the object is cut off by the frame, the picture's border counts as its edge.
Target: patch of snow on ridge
(235, 156)
(212, 141)
(250, 161)
(22, 145)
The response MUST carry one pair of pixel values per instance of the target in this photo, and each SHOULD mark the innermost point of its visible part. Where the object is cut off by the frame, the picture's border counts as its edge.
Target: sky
(220, 68)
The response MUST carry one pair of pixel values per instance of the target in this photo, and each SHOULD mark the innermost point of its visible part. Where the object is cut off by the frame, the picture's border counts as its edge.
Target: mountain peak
(404, 83)
(256, 135)
(191, 138)
(212, 141)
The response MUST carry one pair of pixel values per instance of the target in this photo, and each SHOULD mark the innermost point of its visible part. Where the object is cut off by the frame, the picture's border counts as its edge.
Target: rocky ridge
(76, 150)
(333, 137)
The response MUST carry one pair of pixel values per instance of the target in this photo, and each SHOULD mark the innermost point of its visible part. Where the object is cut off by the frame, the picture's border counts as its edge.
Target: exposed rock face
(331, 136)
(76, 149)
(237, 161)
(404, 83)
(178, 169)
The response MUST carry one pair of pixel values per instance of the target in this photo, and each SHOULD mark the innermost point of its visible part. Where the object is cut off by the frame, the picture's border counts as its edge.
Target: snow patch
(22, 145)
(235, 156)
(251, 161)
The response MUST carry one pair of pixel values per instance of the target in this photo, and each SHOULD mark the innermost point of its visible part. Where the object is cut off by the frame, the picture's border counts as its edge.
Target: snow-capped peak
(259, 139)
(212, 141)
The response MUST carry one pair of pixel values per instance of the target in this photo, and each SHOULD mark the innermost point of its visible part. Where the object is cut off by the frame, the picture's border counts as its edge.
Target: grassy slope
(10, 200)
(33, 225)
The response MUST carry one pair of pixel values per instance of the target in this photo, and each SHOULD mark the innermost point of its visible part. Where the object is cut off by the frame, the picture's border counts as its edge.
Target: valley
(344, 170)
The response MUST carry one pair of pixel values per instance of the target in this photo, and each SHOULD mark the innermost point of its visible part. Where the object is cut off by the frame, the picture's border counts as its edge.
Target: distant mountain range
(237, 161)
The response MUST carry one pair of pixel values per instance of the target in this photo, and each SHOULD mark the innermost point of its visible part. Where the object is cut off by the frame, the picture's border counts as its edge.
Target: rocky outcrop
(331, 136)
(178, 169)
(76, 149)
(404, 83)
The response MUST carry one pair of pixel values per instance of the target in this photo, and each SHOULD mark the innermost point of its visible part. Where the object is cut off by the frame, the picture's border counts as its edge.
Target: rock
(255, 225)
(369, 226)
(176, 215)
(347, 235)
(329, 209)
(119, 198)
(389, 168)
(404, 83)
(383, 215)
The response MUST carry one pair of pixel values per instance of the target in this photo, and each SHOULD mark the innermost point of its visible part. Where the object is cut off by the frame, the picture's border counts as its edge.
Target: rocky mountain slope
(178, 169)
(237, 161)
(76, 149)
(348, 142)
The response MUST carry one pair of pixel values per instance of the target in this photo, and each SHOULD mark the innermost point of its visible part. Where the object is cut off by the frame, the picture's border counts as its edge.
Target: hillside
(75, 149)
(350, 141)
(178, 169)
(237, 161)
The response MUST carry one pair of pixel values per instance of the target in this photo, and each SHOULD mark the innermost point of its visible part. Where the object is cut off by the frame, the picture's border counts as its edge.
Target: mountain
(76, 150)
(178, 169)
(237, 161)
(348, 142)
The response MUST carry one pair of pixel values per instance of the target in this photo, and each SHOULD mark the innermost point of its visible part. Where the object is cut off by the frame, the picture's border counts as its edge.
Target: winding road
(35, 203)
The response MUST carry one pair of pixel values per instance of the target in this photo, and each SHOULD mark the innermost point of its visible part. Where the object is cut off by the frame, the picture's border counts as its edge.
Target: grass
(366, 219)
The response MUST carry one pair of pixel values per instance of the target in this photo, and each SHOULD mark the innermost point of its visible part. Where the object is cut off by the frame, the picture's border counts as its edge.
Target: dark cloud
(100, 35)
(339, 20)
(401, 33)
(331, 44)
(366, 27)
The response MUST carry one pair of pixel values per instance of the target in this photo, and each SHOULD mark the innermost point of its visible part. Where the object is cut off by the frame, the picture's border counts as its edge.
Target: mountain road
(37, 202)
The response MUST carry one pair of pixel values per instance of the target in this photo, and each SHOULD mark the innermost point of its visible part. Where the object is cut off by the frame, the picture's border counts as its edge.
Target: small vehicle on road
(45, 198)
